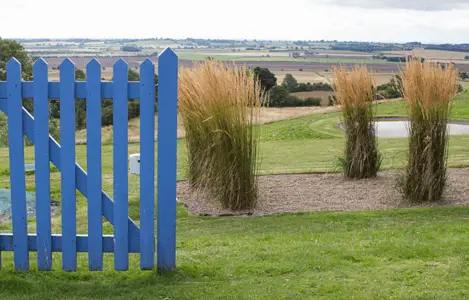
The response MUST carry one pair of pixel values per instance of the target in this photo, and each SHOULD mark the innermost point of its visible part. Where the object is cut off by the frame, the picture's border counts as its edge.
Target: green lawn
(399, 254)
(394, 254)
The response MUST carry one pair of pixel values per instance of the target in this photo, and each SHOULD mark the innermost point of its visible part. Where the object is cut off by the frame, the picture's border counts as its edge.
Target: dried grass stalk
(355, 90)
(429, 90)
(220, 105)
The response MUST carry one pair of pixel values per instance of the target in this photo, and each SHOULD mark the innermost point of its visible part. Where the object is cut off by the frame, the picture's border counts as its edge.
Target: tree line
(280, 95)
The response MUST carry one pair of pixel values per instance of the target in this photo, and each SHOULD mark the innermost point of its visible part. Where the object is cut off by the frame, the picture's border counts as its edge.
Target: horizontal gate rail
(107, 90)
(6, 243)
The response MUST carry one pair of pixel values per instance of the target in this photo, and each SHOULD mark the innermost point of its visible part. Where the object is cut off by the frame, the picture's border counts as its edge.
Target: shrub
(293, 101)
(311, 101)
(3, 130)
(277, 96)
(362, 158)
(429, 90)
(391, 90)
(219, 106)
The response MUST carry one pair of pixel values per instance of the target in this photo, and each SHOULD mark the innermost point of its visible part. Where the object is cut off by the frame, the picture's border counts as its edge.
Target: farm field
(321, 76)
(314, 68)
(433, 54)
(406, 253)
(276, 58)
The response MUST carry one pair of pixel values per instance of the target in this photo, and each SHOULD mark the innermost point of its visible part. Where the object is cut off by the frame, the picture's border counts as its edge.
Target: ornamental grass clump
(219, 105)
(355, 95)
(429, 90)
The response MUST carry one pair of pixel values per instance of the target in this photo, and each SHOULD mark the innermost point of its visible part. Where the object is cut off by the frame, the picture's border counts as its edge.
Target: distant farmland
(306, 70)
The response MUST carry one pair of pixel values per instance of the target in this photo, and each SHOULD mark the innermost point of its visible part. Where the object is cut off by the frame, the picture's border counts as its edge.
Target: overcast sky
(430, 21)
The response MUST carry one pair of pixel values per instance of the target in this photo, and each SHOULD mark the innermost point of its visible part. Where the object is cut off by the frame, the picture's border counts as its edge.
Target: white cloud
(260, 19)
(423, 5)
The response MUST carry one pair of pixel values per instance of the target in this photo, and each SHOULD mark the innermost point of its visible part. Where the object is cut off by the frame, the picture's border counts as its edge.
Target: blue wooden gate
(128, 237)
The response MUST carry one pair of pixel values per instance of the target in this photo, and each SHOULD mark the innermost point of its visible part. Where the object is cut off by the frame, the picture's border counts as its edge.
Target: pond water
(5, 204)
(397, 129)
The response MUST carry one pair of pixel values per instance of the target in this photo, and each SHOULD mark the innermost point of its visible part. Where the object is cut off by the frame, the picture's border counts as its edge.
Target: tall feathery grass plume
(429, 90)
(355, 95)
(220, 107)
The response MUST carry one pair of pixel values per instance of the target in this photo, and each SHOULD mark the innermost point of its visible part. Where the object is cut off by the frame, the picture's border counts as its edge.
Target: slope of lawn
(405, 254)
(395, 254)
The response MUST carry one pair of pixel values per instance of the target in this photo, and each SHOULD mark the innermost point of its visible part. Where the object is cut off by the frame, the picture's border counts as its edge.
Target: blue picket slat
(147, 165)
(67, 159)
(94, 162)
(120, 165)
(167, 157)
(17, 176)
(41, 155)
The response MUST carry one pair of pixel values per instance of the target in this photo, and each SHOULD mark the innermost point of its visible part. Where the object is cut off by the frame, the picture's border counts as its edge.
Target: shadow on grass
(133, 284)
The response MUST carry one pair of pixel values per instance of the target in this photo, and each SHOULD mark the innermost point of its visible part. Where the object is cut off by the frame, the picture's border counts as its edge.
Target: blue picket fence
(128, 237)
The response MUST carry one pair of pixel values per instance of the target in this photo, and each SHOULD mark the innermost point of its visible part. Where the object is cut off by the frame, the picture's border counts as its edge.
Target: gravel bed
(323, 192)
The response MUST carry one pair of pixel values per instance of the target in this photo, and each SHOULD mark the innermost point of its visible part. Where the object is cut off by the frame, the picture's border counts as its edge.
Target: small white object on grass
(134, 162)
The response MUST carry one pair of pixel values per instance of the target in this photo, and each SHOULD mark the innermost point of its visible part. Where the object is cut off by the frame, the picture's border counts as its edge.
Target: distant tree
(80, 104)
(80, 75)
(9, 49)
(278, 96)
(464, 75)
(390, 90)
(133, 105)
(466, 57)
(290, 83)
(295, 54)
(133, 75)
(266, 78)
(131, 48)
(3, 130)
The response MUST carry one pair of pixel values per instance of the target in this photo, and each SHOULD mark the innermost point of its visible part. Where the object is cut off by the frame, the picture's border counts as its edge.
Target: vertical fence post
(167, 157)
(67, 161)
(94, 162)
(41, 155)
(147, 165)
(120, 164)
(17, 176)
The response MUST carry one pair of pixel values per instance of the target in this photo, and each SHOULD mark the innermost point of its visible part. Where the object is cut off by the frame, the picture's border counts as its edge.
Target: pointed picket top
(13, 69)
(40, 63)
(40, 70)
(147, 66)
(67, 63)
(13, 63)
(168, 52)
(146, 63)
(120, 71)
(121, 63)
(93, 64)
